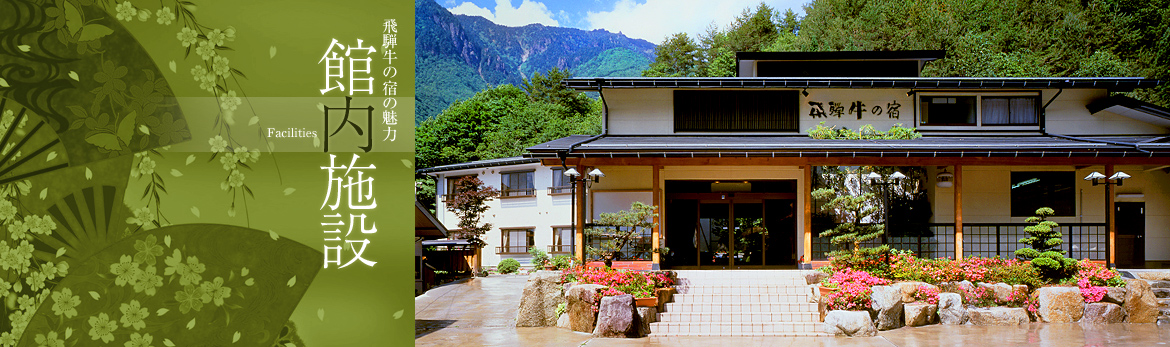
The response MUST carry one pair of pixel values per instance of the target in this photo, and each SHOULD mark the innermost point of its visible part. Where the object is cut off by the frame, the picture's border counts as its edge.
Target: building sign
(837, 109)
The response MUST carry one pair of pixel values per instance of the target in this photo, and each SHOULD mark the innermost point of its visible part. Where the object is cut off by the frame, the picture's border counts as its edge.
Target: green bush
(1045, 252)
(562, 262)
(1015, 273)
(539, 257)
(508, 266)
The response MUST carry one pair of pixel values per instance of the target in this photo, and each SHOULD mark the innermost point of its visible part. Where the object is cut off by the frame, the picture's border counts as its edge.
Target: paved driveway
(482, 312)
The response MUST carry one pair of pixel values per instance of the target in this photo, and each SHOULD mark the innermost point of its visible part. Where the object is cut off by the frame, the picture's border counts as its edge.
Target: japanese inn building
(715, 154)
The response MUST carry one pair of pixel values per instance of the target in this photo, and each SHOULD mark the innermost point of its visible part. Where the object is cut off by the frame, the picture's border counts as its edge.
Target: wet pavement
(482, 312)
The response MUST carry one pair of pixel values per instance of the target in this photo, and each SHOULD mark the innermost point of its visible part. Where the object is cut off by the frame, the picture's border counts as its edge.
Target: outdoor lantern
(1119, 176)
(873, 177)
(596, 175)
(945, 179)
(572, 173)
(1095, 177)
(897, 176)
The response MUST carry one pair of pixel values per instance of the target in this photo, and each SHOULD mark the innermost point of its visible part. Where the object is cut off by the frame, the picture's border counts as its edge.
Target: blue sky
(650, 20)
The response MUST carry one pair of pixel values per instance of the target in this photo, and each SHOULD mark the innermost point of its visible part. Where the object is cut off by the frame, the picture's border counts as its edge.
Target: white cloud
(654, 20)
(528, 12)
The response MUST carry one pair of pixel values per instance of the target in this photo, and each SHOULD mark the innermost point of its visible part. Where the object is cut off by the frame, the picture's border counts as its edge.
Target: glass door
(712, 234)
(751, 236)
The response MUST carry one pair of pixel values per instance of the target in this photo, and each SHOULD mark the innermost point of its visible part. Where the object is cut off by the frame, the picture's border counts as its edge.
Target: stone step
(736, 329)
(742, 281)
(1163, 302)
(744, 289)
(741, 298)
(740, 317)
(741, 307)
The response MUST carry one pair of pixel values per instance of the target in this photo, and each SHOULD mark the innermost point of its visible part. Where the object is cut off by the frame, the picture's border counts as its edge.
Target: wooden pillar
(656, 232)
(1111, 245)
(580, 212)
(806, 191)
(958, 212)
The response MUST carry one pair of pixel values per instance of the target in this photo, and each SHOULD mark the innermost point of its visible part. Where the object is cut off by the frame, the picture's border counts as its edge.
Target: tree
(469, 205)
(619, 229)
(678, 56)
(1044, 252)
(548, 88)
(851, 210)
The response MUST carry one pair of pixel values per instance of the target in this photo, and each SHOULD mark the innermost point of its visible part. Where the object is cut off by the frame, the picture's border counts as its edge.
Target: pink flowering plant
(1098, 275)
(1090, 292)
(927, 294)
(636, 283)
(853, 289)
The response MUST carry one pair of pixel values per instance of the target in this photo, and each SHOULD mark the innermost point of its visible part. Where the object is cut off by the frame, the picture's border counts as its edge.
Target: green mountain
(457, 56)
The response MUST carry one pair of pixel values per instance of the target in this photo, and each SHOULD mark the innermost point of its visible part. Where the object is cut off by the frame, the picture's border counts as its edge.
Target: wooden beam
(806, 191)
(958, 211)
(656, 232)
(1111, 245)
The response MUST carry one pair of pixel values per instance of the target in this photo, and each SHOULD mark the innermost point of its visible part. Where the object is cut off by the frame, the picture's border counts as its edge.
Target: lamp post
(875, 179)
(574, 176)
(1118, 179)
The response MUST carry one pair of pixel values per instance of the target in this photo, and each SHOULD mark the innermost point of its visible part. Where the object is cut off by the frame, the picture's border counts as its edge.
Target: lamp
(1119, 176)
(804, 92)
(596, 175)
(572, 173)
(910, 93)
(945, 179)
(1096, 177)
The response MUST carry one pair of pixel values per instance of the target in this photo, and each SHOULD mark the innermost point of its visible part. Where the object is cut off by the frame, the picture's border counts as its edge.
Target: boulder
(648, 315)
(617, 317)
(814, 277)
(563, 321)
(887, 304)
(950, 309)
(1060, 304)
(538, 305)
(909, 288)
(956, 287)
(920, 313)
(1103, 312)
(581, 304)
(1002, 290)
(1161, 293)
(1152, 275)
(1115, 295)
(665, 295)
(998, 316)
(1140, 304)
(849, 323)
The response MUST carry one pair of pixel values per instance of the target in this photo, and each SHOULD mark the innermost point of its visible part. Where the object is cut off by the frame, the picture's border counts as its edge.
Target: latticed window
(518, 183)
(516, 240)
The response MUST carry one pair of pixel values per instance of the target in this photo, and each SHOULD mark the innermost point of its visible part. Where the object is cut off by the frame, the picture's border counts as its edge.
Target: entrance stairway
(739, 303)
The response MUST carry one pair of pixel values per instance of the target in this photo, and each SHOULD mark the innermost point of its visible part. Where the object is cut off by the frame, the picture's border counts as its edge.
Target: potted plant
(540, 259)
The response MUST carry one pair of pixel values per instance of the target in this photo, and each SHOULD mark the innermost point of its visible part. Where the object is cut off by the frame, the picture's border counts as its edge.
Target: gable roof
(480, 163)
(1115, 84)
(1132, 108)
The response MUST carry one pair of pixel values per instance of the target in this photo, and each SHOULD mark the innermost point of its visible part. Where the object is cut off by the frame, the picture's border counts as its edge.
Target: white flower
(230, 33)
(220, 66)
(7, 210)
(217, 143)
(126, 11)
(236, 179)
(187, 36)
(143, 15)
(216, 37)
(205, 50)
(165, 16)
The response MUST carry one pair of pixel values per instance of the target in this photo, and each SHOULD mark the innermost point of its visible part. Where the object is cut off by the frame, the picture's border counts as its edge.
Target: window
(735, 110)
(1010, 111)
(948, 110)
(518, 183)
(562, 240)
(560, 182)
(451, 187)
(515, 240)
(1001, 109)
(1033, 190)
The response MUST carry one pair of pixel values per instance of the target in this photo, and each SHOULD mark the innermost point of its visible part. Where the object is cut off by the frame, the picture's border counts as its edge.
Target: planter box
(646, 302)
(826, 290)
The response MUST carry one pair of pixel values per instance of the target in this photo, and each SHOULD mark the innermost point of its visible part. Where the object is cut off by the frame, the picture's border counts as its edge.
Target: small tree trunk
(478, 260)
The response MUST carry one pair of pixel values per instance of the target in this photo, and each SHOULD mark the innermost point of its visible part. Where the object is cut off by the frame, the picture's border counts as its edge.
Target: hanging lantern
(945, 179)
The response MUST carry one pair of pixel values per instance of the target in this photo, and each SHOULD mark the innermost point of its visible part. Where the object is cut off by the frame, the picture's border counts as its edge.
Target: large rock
(1114, 295)
(849, 323)
(581, 304)
(563, 321)
(648, 315)
(887, 304)
(542, 294)
(814, 277)
(998, 316)
(617, 317)
(920, 313)
(1002, 290)
(956, 287)
(1103, 312)
(950, 309)
(909, 288)
(1140, 304)
(1060, 304)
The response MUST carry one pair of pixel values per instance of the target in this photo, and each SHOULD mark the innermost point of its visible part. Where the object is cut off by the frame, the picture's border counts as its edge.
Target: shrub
(853, 289)
(508, 266)
(978, 296)
(562, 308)
(1016, 272)
(562, 262)
(1045, 252)
(927, 294)
(1098, 274)
(1090, 292)
(638, 284)
(539, 257)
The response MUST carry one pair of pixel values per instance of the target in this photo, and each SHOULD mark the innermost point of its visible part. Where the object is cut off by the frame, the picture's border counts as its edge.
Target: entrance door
(730, 232)
(1131, 234)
